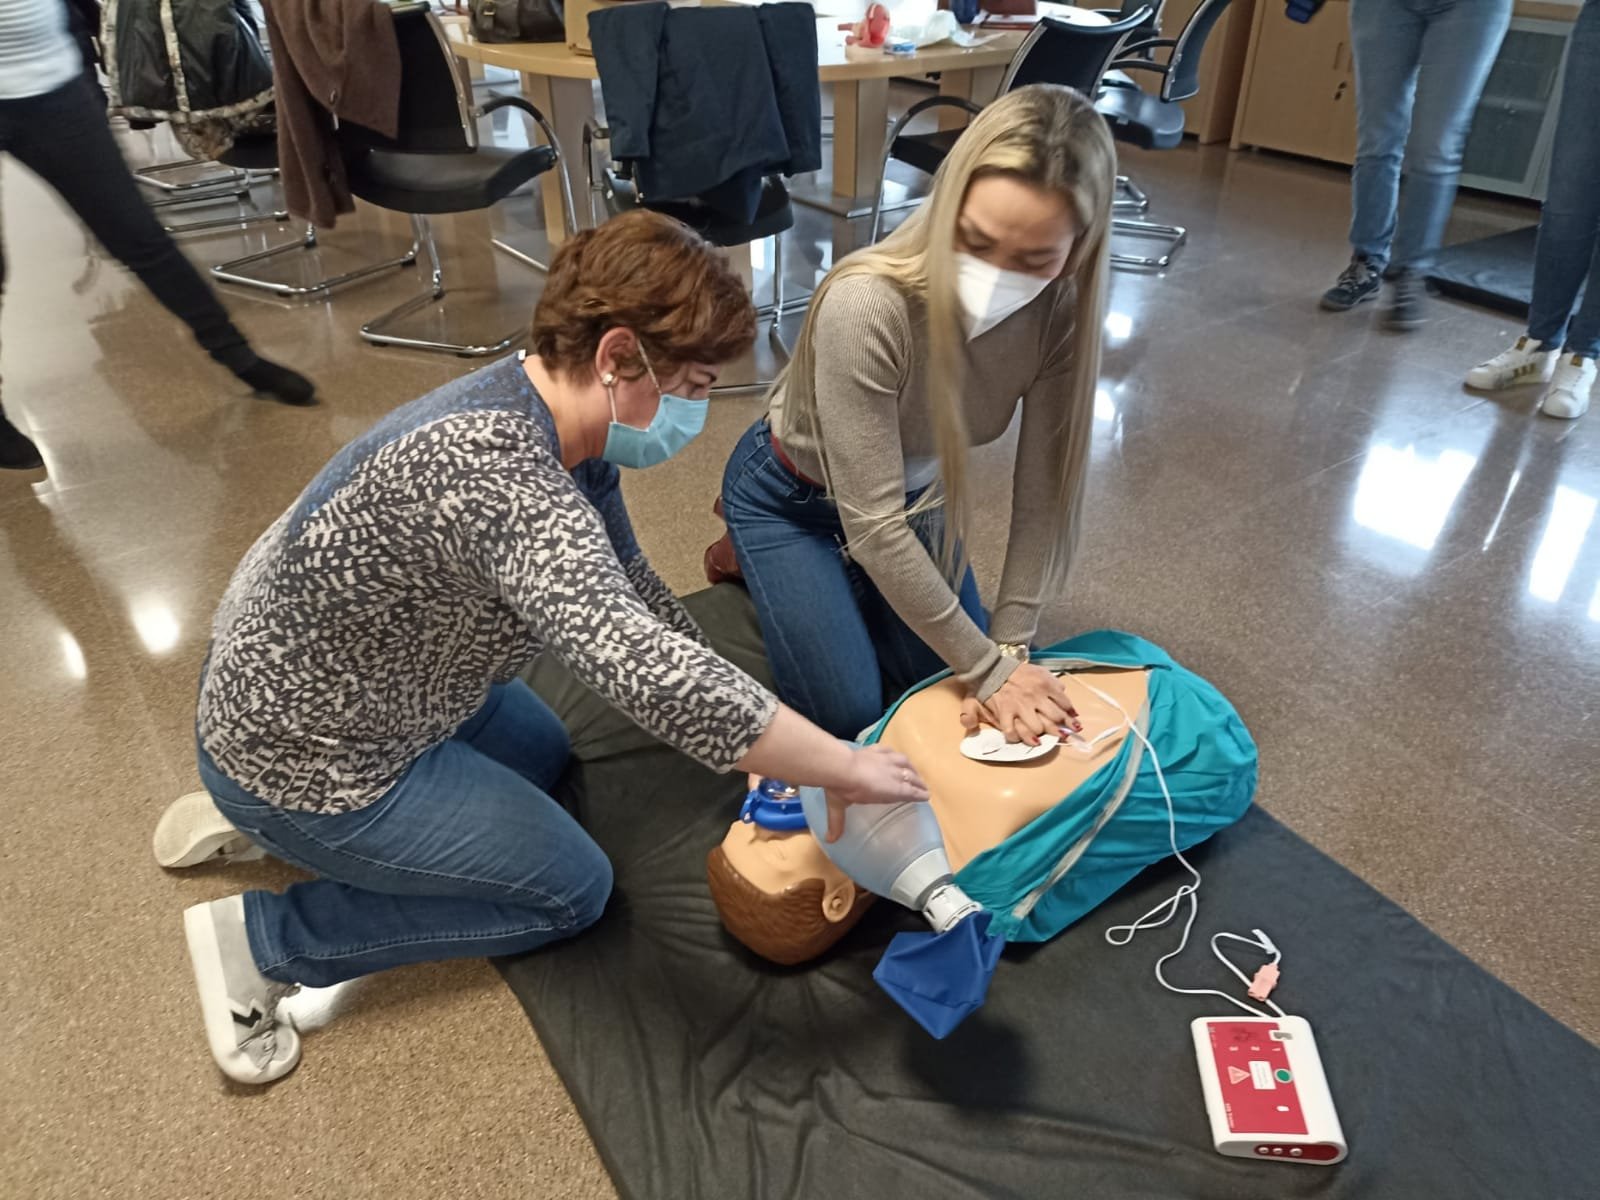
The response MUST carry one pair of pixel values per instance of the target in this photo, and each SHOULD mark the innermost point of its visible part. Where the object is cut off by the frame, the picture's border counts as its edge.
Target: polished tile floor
(1397, 582)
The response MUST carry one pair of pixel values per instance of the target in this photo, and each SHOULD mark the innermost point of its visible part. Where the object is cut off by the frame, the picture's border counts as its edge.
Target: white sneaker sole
(192, 831)
(205, 956)
(1502, 380)
(1561, 411)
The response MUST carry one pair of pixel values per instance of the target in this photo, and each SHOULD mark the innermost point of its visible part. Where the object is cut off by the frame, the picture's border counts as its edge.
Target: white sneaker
(1526, 362)
(1567, 396)
(248, 1039)
(192, 831)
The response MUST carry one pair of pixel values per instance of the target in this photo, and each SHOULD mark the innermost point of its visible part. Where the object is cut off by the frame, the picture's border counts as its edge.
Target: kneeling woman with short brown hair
(360, 714)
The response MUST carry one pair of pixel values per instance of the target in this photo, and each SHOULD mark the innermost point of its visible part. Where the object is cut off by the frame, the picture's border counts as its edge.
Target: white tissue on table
(924, 24)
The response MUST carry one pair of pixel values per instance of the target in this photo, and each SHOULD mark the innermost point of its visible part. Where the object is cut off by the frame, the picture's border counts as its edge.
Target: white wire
(1260, 942)
(1122, 935)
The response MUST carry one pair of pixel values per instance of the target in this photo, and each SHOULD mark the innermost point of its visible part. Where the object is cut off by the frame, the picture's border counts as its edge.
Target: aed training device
(1265, 1091)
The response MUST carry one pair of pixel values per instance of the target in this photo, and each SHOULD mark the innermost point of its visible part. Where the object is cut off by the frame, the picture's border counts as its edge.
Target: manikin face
(783, 897)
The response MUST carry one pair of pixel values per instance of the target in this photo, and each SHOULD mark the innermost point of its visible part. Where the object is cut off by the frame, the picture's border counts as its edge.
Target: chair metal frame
(1138, 56)
(151, 176)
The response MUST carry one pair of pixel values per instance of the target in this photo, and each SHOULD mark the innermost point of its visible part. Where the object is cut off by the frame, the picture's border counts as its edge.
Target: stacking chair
(1156, 122)
(617, 188)
(618, 191)
(1059, 52)
(434, 165)
(260, 155)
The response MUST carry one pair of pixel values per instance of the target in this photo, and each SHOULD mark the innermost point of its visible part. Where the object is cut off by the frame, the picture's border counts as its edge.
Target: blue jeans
(838, 650)
(1569, 228)
(1420, 69)
(466, 856)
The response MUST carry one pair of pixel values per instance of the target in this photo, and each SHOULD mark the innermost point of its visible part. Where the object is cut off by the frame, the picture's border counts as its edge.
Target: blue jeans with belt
(466, 856)
(1420, 70)
(838, 650)
(1569, 228)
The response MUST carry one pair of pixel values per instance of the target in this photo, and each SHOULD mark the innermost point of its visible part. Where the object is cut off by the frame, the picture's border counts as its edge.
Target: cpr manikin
(1035, 844)
(780, 894)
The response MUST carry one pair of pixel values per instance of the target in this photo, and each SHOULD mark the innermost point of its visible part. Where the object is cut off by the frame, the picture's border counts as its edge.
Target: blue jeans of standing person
(837, 649)
(1420, 70)
(1569, 228)
(466, 856)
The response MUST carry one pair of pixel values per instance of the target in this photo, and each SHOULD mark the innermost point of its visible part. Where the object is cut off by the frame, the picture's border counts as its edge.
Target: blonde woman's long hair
(1047, 136)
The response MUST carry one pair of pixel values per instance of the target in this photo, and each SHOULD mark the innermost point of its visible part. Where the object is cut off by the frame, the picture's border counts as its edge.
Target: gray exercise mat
(705, 1074)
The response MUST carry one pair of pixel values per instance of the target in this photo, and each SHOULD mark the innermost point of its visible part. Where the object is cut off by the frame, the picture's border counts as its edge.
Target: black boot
(17, 451)
(282, 384)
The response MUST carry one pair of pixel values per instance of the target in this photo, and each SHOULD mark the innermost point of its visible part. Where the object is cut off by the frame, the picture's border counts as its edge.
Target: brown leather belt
(787, 464)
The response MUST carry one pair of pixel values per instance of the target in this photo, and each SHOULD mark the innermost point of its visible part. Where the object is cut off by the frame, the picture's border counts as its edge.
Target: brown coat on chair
(330, 58)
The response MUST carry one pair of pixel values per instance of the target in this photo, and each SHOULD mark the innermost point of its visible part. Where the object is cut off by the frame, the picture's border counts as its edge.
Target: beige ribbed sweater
(872, 406)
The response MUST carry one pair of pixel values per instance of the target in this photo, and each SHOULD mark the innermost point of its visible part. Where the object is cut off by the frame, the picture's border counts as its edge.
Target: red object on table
(872, 30)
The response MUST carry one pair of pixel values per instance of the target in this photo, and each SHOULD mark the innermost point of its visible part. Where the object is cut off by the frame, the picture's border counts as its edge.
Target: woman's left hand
(1030, 704)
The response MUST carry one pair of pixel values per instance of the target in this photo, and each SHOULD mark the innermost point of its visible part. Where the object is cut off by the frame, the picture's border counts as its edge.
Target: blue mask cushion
(941, 978)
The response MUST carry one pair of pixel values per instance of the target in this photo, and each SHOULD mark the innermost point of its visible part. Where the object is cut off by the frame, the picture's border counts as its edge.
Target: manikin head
(781, 895)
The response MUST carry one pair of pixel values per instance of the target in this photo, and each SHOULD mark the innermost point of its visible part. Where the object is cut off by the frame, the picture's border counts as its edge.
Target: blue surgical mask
(678, 421)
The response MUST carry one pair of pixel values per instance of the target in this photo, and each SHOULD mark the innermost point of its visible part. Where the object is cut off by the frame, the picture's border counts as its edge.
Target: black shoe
(17, 451)
(1408, 306)
(1359, 282)
(282, 384)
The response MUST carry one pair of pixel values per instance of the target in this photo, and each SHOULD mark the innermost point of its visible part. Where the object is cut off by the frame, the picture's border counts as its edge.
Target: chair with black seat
(258, 155)
(1155, 122)
(434, 164)
(619, 191)
(1130, 196)
(1059, 52)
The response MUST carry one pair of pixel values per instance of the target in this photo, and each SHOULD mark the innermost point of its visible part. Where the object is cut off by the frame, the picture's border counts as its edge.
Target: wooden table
(561, 83)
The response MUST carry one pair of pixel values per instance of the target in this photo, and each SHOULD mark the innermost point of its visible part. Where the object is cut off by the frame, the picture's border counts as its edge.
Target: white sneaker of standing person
(192, 831)
(1526, 362)
(1568, 395)
(250, 1042)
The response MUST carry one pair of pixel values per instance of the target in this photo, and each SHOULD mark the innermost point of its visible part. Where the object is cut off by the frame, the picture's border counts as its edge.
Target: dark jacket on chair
(330, 58)
(707, 101)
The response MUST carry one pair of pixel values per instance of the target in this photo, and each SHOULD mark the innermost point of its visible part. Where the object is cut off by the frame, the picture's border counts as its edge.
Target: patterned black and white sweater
(433, 556)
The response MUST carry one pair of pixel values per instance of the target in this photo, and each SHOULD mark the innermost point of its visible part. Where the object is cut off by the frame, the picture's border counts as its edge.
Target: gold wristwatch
(1016, 650)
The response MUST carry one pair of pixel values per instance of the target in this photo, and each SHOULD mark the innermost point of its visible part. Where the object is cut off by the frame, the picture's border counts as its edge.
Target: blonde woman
(846, 505)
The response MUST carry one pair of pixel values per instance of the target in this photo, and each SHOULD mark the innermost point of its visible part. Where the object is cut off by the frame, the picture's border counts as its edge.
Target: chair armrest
(922, 106)
(1138, 64)
(495, 103)
(1148, 44)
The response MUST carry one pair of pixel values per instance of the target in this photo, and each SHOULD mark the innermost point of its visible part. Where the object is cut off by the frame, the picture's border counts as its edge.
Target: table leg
(568, 104)
(860, 117)
(980, 87)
